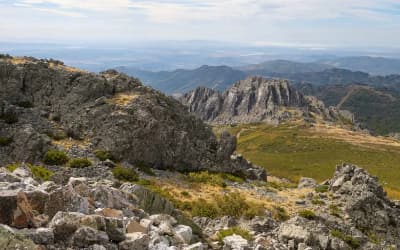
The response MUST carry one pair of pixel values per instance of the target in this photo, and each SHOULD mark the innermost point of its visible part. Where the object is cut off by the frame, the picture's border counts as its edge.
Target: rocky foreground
(103, 213)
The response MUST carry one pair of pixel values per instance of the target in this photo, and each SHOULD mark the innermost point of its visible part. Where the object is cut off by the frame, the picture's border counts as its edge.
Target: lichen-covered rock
(14, 241)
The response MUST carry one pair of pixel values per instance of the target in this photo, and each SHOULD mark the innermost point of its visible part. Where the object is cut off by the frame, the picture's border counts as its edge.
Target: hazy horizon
(366, 24)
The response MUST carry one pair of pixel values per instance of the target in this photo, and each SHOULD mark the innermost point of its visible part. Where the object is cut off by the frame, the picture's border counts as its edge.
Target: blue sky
(314, 23)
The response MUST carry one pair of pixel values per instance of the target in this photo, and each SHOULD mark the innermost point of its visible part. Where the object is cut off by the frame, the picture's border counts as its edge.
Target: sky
(314, 23)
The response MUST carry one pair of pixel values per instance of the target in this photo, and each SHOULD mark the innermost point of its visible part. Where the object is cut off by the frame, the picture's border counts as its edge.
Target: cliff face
(254, 99)
(109, 111)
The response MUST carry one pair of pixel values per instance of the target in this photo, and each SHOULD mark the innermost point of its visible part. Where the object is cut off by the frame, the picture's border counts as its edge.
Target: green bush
(353, 243)
(25, 104)
(12, 167)
(103, 155)
(55, 157)
(234, 230)
(308, 214)
(203, 208)
(57, 134)
(322, 188)
(185, 193)
(145, 168)
(279, 213)
(334, 210)
(317, 201)
(41, 173)
(79, 163)
(125, 174)
(5, 141)
(9, 118)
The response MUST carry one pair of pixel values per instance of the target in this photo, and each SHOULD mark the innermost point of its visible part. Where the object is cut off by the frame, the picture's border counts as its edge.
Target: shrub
(353, 243)
(317, 201)
(55, 157)
(5, 141)
(334, 210)
(145, 168)
(125, 174)
(279, 213)
(203, 208)
(322, 188)
(57, 134)
(185, 193)
(41, 173)
(79, 163)
(12, 167)
(308, 214)
(234, 230)
(103, 155)
(144, 182)
(9, 118)
(25, 104)
(233, 204)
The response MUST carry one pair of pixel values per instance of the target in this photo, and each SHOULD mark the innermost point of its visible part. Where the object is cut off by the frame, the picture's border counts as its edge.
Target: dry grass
(353, 137)
(123, 99)
(178, 188)
(68, 143)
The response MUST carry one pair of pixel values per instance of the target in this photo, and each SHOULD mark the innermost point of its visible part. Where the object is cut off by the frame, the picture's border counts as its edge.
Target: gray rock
(254, 99)
(135, 241)
(196, 246)
(183, 233)
(305, 182)
(235, 242)
(41, 236)
(86, 236)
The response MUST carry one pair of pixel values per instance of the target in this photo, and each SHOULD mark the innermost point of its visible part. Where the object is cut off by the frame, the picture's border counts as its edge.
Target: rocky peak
(108, 111)
(254, 99)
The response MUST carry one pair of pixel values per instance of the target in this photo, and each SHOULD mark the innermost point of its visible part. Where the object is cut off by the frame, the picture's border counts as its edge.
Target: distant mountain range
(182, 80)
(375, 100)
(321, 73)
(372, 65)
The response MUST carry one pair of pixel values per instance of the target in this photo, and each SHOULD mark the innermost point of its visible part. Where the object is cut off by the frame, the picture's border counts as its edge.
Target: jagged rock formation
(254, 99)
(109, 111)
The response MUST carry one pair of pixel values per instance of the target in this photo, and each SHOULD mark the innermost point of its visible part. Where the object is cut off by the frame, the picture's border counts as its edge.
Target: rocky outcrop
(88, 214)
(254, 99)
(41, 100)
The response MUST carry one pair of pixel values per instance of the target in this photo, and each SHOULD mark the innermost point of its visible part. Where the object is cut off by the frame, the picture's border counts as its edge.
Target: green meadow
(293, 151)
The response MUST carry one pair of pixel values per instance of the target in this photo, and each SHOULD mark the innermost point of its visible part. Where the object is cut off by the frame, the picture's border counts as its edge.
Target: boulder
(14, 241)
(135, 241)
(135, 227)
(306, 182)
(86, 236)
(291, 231)
(40, 236)
(183, 233)
(16, 211)
(235, 242)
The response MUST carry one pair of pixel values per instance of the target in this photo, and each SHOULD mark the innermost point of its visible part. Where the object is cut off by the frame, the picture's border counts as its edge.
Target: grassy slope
(295, 151)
